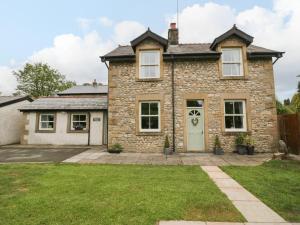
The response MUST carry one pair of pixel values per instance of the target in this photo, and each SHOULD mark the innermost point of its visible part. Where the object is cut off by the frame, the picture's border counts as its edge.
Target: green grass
(276, 183)
(109, 194)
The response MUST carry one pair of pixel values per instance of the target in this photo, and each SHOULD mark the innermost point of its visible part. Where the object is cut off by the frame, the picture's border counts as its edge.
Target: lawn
(109, 194)
(276, 183)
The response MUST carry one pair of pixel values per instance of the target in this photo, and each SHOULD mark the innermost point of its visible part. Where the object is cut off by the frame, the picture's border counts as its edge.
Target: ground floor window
(79, 121)
(235, 115)
(149, 116)
(46, 121)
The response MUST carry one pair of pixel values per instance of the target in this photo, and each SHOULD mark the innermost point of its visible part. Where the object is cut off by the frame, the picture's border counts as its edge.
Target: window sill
(148, 79)
(233, 78)
(233, 133)
(45, 131)
(77, 131)
(158, 133)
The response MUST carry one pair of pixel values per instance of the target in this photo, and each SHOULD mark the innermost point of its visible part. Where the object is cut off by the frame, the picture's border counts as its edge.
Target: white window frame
(72, 121)
(244, 129)
(46, 121)
(140, 117)
(240, 62)
(140, 64)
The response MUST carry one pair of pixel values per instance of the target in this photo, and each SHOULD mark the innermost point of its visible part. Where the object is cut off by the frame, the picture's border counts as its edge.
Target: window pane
(82, 117)
(75, 117)
(150, 58)
(194, 103)
(145, 108)
(44, 125)
(229, 122)
(145, 123)
(44, 117)
(238, 122)
(153, 108)
(231, 55)
(238, 107)
(228, 107)
(235, 69)
(50, 125)
(154, 122)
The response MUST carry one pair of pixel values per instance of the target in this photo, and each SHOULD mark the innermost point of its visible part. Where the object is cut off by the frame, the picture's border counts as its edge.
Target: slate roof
(66, 103)
(201, 48)
(82, 89)
(7, 100)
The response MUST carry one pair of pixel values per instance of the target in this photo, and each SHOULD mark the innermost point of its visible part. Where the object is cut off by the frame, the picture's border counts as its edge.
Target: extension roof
(8, 100)
(85, 89)
(66, 104)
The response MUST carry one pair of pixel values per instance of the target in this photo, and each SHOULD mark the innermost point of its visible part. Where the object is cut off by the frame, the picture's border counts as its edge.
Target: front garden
(109, 194)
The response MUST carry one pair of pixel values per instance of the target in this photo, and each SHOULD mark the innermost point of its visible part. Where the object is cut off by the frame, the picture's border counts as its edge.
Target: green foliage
(40, 79)
(299, 87)
(167, 144)
(284, 109)
(116, 148)
(217, 142)
(240, 139)
(249, 141)
(296, 102)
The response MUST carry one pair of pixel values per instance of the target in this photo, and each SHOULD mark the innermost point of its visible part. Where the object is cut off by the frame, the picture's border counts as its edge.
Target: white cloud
(276, 28)
(126, 31)
(7, 80)
(104, 21)
(84, 23)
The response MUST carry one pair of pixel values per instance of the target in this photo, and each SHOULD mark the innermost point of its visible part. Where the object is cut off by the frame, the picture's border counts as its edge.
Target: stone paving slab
(182, 222)
(251, 207)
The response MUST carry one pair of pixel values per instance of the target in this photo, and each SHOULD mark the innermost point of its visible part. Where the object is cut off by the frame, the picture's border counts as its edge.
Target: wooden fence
(289, 130)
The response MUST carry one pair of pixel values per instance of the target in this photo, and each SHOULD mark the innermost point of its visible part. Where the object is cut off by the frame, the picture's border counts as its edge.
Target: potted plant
(217, 146)
(116, 148)
(167, 149)
(240, 145)
(250, 145)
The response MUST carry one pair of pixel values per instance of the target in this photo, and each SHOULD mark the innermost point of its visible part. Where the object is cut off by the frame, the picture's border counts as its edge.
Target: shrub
(240, 139)
(167, 144)
(217, 142)
(249, 141)
(116, 148)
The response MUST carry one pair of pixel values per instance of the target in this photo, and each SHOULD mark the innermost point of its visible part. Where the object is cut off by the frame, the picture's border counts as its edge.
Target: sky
(70, 35)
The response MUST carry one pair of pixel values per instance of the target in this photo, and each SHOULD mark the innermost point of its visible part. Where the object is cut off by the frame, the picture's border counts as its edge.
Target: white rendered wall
(11, 123)
(61, 136)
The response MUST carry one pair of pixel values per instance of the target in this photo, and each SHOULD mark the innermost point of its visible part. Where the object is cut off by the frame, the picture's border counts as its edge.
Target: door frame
(195, 96)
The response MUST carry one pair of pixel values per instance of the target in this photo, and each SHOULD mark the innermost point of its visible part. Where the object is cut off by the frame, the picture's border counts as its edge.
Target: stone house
(191, 92)
(11, 119)
(76, 116)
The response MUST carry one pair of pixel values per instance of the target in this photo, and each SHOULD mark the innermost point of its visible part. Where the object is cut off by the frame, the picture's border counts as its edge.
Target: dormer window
(149, 64)
(232, 62)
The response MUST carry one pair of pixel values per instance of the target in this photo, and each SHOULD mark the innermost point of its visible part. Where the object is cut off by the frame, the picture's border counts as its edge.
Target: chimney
(94, 83)
(173, 34)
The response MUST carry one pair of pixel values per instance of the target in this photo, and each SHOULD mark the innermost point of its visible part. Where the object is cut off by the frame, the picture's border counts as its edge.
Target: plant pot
(218, 151)
(241, 149)
(250, 150)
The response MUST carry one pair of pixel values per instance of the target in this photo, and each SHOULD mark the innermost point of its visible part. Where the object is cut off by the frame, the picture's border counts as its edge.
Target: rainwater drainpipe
(89, 129)
(173, 102)
(107, 66)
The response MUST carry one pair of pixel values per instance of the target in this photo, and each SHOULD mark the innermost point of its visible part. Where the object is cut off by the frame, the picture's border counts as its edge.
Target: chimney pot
(173, 26)
(94, 83)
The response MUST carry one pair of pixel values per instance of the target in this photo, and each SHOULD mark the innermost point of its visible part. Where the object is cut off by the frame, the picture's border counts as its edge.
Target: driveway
(38, 154)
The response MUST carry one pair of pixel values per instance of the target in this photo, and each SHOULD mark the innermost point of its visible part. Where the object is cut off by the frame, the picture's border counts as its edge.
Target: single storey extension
(77, 116)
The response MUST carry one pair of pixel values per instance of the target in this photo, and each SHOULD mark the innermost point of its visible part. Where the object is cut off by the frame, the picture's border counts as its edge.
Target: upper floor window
(232, 63)
(150, 116)
(235, 115)
(46, 121)
(149, 64)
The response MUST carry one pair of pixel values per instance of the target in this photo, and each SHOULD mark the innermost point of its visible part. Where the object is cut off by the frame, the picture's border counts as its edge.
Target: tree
(283, 109)
(40, 79)
(296, 102)
(287, 101)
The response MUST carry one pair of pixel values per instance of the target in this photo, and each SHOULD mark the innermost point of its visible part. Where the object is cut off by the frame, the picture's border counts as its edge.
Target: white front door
(96, 128)
(195, 129)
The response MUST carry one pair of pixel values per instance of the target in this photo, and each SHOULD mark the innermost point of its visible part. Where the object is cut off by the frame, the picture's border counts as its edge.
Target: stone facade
(194, 79)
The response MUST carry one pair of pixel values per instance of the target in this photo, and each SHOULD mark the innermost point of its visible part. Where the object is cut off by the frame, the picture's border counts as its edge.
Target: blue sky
(70, 35)
(31, 25)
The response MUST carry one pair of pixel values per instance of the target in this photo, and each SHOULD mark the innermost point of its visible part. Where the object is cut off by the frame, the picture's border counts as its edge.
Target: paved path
(203, 159)
(178, 222)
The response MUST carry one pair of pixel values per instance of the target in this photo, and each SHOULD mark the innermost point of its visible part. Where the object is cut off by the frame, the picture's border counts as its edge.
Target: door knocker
(195, 121)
